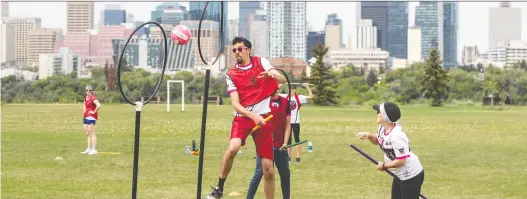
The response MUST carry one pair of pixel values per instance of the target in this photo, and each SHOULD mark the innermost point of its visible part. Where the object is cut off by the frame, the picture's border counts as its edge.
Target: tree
(381, 70)
(371, 79)
(523, 65)
(106, 72)
(324, 91)
(435, 79)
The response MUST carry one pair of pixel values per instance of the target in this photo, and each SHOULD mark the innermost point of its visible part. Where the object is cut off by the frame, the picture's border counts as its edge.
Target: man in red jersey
(251, 82)
(282, 130)
(91, 108)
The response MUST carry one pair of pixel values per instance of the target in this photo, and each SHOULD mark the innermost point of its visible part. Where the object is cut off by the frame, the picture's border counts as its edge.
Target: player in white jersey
(398, 156)
(296, 102)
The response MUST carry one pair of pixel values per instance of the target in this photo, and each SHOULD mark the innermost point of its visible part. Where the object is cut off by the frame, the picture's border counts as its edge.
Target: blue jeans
(281, 160)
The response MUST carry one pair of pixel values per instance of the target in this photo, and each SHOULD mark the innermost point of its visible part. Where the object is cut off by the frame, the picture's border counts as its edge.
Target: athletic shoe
(92, 152)
(87, 151)
(297, 159)
(216, 193)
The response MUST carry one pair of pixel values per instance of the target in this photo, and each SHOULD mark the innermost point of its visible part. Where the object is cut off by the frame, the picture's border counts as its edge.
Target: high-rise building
(333, 27)
(7, 42)
(314, 38)
(113, 15)
(287, 29)
(22, 27)
(470, 55)
(5, 9)
(40, 41)
(173, 15)
(377, 11)
(505, 23)
(212, 13)
(147, 53)
(414, 45)
(80, 16)
(233, 30)
(450, 33)
(247, 8)
(429, 17)
(366, 35)
(155, 32)
(397, 29)
(258, 34)
(209, 41)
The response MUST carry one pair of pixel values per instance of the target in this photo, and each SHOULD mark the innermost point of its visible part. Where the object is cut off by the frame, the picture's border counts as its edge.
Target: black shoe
(297, 159)
(216, 194)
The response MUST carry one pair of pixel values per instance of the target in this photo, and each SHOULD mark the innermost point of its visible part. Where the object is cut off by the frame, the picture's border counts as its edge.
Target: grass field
(467, 152)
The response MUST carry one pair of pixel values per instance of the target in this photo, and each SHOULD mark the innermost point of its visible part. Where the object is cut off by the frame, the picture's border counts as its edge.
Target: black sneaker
(216, 194)
(297, 159)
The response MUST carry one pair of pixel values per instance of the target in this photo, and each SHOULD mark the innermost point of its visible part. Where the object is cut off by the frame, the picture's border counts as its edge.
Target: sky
(473, 16)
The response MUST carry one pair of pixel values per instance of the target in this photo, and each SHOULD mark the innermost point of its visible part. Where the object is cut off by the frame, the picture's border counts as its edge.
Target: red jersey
(280, 110)
(90, 106)
(250, 88)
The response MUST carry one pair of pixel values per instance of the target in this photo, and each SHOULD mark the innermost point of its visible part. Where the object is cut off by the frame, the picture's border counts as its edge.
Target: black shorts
(296, 132)
(408, 189)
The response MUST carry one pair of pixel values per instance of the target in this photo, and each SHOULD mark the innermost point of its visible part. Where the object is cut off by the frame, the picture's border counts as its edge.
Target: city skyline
(473, 16)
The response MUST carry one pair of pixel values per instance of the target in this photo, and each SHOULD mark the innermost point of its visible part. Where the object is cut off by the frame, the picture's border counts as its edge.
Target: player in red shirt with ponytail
(91, 109)
(251, 82)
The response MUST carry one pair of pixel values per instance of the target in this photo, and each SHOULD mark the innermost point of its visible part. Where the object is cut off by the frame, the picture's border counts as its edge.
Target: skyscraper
(22, 27)
(377, 11)
(333, 32)
(314, 39)
(397, 29)
(80, 16)
(113, 15)
(5, 9)
(505, 23)
(258, 33)
(450, 32)
(287, 29)
(170, 13)
(429, 17)
(247, 8)
(212, 13)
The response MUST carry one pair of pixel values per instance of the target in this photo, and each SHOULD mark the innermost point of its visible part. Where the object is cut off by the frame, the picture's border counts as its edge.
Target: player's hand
(363, 135)
(265, 75)
(283, 147)
(91, 112)
(379, 166)
(258, 120)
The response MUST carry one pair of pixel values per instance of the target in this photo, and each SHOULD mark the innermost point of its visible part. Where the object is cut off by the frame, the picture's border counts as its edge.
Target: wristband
(384, 166)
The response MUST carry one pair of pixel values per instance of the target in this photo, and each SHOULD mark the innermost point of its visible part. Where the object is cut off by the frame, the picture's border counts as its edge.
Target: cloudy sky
(473, 16)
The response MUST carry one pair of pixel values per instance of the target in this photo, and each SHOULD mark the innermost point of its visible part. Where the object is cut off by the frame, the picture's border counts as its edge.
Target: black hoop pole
(288, 87)
(375, 162)
(206, 91)
(139, 105)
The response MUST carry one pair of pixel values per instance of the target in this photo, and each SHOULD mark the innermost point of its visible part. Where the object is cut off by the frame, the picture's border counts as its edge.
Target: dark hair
(245, 42)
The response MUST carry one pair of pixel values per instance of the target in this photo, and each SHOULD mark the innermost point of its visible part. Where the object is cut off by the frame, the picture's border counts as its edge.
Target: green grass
(467, 152)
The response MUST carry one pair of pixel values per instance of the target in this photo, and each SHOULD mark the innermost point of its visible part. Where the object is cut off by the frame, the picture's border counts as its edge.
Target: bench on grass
(218, 100)
(156, 100)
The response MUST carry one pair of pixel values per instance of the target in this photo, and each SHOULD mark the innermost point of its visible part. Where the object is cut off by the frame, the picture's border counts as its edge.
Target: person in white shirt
(296, 102)
(398, 155)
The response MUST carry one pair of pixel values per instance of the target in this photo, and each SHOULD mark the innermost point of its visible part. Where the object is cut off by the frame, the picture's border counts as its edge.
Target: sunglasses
(239, 49)
(88, 90)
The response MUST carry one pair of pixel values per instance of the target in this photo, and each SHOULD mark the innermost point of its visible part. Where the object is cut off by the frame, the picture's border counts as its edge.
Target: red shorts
(263, 137)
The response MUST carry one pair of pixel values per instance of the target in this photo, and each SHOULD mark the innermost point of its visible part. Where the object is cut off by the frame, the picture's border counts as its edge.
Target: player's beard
(239, 59)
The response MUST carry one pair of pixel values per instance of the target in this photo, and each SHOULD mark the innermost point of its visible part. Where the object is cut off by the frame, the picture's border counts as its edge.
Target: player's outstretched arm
(310, 93)
(369, 136)
(280, 79)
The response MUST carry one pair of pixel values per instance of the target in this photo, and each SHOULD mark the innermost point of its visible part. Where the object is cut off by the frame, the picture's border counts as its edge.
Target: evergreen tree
(371, 79)
(324, 90)
(435, 79)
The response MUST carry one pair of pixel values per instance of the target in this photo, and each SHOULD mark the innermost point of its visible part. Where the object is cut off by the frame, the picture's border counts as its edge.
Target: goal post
(182, 94)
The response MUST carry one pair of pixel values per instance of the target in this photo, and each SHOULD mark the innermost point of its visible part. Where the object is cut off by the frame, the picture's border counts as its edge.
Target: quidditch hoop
(162, 72)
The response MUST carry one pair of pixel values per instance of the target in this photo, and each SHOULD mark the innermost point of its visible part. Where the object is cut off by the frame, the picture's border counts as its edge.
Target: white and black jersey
(395, 145)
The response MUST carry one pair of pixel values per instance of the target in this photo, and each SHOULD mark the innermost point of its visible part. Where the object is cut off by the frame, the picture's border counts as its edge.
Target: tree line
(425, 82)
